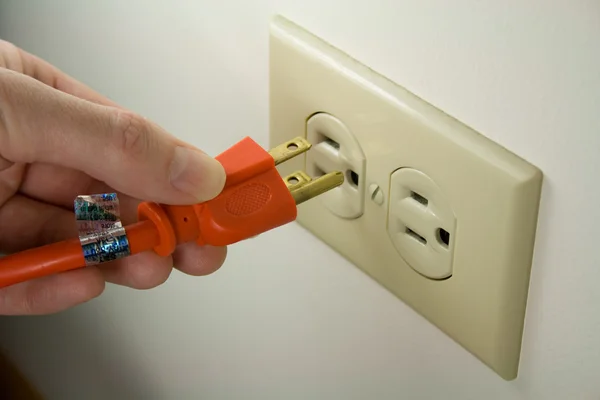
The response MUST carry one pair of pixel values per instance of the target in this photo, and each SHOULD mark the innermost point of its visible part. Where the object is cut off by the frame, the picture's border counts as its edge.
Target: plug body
(255, 199)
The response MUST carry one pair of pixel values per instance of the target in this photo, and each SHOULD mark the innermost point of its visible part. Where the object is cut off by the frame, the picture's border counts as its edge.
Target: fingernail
(196, 173)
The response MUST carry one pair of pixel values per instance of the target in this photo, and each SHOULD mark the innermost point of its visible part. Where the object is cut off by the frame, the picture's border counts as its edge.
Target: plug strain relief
(158, 216)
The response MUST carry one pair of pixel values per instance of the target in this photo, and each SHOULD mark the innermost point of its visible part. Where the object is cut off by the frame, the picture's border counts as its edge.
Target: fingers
(60, 186)
(13, 58)
(11, 176)
(122, 149)
(199, 261)
(188, 258)
(57, 185)
(142, 271)
(51, 294)
(59, 292)
(76, 128)
(25, 223)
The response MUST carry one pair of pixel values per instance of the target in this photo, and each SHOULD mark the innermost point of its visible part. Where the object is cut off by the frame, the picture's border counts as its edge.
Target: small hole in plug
(443, 237)
(293, 180)
(352, 177)
(292, 146)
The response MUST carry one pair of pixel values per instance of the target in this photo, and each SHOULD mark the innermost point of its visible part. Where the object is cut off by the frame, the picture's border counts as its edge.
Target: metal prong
(289, 149)
(303, 188)
(296, 180)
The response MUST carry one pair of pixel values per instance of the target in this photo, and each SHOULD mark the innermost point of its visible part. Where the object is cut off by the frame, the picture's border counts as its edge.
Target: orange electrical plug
(255, 199)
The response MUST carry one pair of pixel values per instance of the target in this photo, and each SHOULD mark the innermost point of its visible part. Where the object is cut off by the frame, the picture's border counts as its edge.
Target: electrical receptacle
(421, 223)
(336, 149)
(439, 215)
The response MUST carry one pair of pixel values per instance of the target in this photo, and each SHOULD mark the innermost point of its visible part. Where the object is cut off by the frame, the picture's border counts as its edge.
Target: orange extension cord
(255, 199)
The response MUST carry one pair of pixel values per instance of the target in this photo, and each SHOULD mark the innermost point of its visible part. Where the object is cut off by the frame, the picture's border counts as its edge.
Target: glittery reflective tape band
(101, 232)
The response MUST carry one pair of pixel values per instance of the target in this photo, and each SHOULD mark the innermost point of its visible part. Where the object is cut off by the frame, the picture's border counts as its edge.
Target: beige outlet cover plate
(493, 193)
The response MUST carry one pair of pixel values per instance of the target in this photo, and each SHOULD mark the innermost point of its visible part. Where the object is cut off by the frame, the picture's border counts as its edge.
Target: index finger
(18, 60)
(128, 152)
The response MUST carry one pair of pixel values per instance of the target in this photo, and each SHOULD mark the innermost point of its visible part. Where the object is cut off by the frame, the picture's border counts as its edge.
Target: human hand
(60, 139)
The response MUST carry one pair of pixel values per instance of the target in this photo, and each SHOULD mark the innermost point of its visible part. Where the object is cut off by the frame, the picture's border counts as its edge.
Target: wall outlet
(335, 148)
(421, 223)
(436, 213)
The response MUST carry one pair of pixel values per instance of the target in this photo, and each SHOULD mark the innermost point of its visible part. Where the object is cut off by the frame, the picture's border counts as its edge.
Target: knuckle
(11, 94)
(10, 56)
(133, 134)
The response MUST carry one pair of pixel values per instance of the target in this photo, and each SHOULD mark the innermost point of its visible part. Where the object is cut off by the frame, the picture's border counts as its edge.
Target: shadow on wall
(96, 365)
(13, 385)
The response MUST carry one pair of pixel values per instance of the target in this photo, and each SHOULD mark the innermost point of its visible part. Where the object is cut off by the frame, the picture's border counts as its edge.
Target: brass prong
(289, 149)
(303, 188)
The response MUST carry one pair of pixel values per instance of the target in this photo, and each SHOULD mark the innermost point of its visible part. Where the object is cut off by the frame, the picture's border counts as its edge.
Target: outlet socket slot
(443, 237)
(419, 199)
(352, 178)
(416, 236)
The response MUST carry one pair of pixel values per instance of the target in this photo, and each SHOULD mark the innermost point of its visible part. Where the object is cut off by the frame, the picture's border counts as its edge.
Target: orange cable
(255, 199)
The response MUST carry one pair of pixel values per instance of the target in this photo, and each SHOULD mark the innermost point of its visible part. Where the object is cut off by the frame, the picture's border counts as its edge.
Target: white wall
(277, 323)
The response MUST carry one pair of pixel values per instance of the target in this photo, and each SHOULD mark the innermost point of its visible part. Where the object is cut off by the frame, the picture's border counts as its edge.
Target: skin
(60, 139)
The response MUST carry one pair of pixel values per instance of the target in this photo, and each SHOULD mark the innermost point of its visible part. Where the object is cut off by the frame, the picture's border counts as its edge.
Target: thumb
(120, 148)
